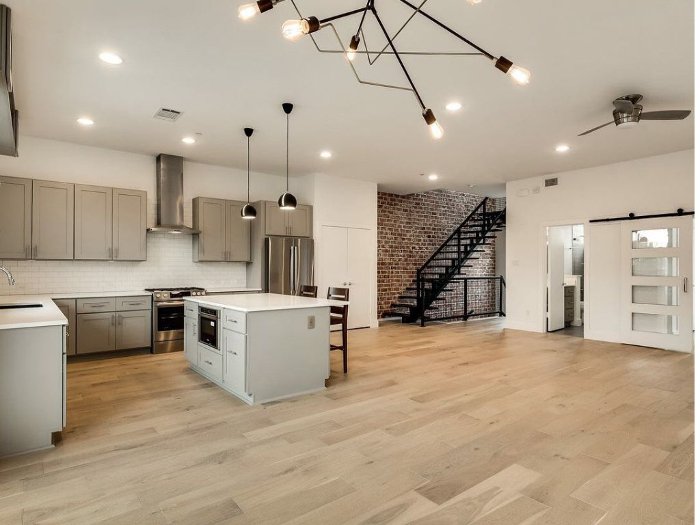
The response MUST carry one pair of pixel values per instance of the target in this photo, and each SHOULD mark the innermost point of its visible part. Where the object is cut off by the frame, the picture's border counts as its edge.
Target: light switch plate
(311, 322)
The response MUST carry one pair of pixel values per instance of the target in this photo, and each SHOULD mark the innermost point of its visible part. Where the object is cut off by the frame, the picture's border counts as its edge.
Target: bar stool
(308, 291)
(339, 315)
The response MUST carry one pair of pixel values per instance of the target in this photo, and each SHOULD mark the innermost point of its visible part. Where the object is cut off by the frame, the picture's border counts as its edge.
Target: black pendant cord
(248, 170)
(449, 30)
(398, 57)
(287, 152)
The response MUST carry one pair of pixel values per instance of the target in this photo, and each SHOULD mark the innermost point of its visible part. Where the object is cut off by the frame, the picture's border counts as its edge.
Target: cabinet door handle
(35, 251)
(28, 251)
(232, 352)
(685, 285)
(209, 363)
(116, 253)
(113, 320)
(109, 252)
(121, 320)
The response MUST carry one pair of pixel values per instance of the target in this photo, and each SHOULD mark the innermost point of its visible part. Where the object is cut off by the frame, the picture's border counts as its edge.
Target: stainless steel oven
(209, 327)
(169, 318)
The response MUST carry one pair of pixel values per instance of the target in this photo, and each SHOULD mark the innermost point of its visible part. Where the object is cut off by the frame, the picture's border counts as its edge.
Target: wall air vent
(170, 115)
(551, 182)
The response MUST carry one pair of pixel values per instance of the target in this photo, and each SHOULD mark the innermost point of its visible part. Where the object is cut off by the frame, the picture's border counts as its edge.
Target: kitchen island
(32, 373)
(259, 347)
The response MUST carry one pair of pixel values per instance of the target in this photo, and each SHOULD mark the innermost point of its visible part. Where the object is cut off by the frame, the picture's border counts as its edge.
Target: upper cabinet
(129, 223)
(15, 218)
(110, 224)
(93, 223)
(52, 220)
(224, 234)
(57, 220)
(291, 223)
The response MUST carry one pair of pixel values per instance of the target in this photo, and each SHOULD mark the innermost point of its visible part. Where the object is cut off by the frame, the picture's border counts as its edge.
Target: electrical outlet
(311, 322)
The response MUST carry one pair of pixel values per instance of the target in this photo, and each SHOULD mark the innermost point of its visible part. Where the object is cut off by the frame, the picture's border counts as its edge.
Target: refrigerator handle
(297, 281)
(290, 291)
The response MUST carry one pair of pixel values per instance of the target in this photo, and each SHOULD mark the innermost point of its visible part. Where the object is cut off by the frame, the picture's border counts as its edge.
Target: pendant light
(287, 201)
(248, 211)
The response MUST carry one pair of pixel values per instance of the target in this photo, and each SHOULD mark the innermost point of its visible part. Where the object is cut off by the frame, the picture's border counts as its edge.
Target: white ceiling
(225, 74)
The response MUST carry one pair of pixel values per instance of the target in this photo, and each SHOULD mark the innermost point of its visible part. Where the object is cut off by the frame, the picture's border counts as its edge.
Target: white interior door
(359, 277)
(333, 259)
(555, 279)
(657, 283)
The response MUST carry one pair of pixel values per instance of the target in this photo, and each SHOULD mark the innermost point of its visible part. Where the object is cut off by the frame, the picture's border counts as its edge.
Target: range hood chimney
(9, 117)
(169, 195)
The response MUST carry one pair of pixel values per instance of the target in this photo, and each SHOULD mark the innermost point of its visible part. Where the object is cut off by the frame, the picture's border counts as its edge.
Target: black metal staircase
(442, 272)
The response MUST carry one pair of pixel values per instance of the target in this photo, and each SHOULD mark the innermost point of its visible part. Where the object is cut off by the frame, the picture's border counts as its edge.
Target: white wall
(169, 257)
(650, 185)
(346, 203)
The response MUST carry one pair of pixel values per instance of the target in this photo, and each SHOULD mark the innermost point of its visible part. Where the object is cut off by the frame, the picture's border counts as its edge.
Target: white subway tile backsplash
(169, 264)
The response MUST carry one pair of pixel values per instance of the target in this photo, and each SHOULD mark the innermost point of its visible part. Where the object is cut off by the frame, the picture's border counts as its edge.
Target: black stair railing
(435, 275)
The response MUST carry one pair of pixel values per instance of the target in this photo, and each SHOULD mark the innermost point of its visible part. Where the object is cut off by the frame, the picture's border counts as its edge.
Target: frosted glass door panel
(655, 266)
(661, 238)
(661, 295)
(655, 323)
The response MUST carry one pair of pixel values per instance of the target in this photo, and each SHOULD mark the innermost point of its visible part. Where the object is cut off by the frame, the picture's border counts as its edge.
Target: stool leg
(345, 347)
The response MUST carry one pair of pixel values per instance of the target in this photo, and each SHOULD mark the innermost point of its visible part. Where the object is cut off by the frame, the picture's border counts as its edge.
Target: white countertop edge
(48, 315)
(92, 295)
(263, 302)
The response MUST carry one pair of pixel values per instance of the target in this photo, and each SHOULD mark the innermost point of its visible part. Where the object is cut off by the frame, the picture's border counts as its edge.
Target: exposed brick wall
(410, 229)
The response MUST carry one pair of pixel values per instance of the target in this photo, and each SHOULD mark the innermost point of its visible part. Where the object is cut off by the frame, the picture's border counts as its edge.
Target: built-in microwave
(209, 327)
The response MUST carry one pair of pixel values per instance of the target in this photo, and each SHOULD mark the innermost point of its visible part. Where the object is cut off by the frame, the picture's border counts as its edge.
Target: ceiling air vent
(170, 115)
(551, 182)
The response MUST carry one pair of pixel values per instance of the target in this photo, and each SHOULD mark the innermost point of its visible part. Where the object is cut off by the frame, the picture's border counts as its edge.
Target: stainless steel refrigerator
(289, 264)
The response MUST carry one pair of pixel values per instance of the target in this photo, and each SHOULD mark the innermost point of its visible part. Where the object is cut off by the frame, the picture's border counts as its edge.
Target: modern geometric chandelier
(296, 28)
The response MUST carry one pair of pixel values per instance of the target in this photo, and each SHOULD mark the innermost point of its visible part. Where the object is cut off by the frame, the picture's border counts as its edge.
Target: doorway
(565, 278)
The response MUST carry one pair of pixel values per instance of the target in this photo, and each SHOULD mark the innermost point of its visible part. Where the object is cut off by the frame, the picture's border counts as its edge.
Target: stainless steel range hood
(9, 117)
(169, 195)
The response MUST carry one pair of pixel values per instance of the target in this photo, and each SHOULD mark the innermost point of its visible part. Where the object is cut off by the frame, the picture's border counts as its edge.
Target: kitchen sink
(11, 306)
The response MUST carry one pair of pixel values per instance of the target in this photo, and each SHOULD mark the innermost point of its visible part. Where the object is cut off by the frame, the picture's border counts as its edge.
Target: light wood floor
(445, 424)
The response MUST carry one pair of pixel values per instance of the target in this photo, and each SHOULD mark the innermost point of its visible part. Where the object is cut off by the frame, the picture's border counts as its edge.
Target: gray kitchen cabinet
(96, 332)
(209, 217)
(129, 223)
(133, 329)
(275, 220)
(15, 218)
(237, 233)
(225, 235)
(234, 361)
(191, 339)
(93, 223)
(67, 307)
(292, 223)
(301, 221)
(52, 220)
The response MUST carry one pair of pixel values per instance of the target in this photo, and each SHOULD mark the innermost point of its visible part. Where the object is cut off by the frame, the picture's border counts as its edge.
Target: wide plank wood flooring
(461, 423)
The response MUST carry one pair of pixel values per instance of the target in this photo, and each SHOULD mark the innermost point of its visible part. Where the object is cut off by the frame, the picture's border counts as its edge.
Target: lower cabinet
(234, 361)
(121, 323)
(191, 339)
(133, 329)
(67, 307)
(95, 333)
(210, 363)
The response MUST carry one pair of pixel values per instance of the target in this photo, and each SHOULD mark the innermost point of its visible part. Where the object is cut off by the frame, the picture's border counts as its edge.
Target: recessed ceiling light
(562, 148)
(433, 176)
(453, 106)
(85, 121)
(111, 58)
(325, 154)
(188, 140)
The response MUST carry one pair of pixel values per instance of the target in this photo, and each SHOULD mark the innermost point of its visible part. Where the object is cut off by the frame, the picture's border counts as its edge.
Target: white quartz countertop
(233, 289)
(262, 302)
(91, 295)
(46, 315)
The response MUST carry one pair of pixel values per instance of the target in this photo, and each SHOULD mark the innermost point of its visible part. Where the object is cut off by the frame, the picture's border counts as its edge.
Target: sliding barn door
(657, 283)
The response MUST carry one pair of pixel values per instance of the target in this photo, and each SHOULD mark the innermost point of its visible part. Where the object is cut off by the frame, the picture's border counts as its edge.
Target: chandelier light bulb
(474, 2)
(520, 75)
(248, 11)
(294, 29)
(435, 128)
(352, 48)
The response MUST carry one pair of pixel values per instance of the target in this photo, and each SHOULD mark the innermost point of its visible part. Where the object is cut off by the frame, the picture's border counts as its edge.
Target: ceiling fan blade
(624, 106)
(595, 129)
(673, 114)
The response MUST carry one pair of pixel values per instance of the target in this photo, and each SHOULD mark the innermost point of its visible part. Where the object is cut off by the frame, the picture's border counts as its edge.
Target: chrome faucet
(10, 278)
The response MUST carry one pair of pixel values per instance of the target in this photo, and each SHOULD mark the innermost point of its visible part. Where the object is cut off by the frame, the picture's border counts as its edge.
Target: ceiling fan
(628, 112)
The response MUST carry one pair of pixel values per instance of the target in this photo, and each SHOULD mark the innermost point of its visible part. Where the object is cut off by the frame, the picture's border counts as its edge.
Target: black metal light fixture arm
(343, 15)
(398, 57)
(449, 30)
